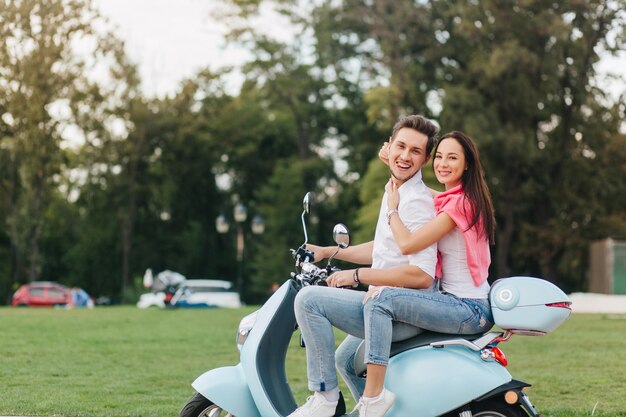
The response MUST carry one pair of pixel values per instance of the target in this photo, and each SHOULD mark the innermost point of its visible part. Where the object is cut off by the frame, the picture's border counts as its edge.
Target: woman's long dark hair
(474, 185)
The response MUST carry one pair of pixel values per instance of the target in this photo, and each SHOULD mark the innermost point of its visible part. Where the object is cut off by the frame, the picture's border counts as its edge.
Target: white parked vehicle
(195, 293)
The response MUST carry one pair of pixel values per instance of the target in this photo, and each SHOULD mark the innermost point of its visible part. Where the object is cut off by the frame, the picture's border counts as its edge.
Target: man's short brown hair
(422, 125)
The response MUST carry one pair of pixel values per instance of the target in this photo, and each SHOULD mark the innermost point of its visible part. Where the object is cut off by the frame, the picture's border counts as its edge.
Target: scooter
(432, 374)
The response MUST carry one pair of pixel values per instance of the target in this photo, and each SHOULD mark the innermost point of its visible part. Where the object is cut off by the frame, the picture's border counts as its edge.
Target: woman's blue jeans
(428, 310)
(394, 314)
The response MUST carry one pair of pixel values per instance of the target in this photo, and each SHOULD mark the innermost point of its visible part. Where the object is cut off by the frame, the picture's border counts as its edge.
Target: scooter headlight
(245, 326)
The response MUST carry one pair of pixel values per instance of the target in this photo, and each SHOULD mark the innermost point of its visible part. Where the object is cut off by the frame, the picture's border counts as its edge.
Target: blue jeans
(428, 310)
(344, 361)
(317, 310)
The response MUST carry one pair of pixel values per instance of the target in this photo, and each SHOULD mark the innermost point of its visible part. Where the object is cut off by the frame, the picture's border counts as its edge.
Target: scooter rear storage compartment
(527, 305)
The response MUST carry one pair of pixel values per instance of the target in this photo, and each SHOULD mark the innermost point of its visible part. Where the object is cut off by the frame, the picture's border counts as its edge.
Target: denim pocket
(476, 322)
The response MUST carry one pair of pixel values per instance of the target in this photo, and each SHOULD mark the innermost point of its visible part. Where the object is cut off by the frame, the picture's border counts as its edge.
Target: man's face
(407, 154)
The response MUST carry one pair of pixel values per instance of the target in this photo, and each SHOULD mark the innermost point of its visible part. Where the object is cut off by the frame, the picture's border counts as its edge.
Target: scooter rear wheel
(198, 406)
(497, 409)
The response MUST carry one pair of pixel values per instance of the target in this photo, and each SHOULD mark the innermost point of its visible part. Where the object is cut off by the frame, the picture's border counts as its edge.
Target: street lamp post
(240, 214)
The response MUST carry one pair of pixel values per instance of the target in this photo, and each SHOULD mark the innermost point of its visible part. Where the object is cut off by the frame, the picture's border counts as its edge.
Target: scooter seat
(422, 339)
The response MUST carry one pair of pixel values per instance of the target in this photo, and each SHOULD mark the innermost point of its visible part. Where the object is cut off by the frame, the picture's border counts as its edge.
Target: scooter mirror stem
(306, 237)
(331, 258)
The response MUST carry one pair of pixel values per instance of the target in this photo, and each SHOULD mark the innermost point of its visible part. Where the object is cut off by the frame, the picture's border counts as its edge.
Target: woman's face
(449, 163)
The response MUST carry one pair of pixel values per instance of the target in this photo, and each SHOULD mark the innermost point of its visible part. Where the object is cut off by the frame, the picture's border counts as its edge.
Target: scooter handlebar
(311, 274)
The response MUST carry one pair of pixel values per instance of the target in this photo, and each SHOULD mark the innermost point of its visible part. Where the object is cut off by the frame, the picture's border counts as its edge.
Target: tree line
(99, 182)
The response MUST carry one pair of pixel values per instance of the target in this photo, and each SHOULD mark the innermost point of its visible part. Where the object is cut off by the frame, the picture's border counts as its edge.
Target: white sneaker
(316, 406)
(376, 408)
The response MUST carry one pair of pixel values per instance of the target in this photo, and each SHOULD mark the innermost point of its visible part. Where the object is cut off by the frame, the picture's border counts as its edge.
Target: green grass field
(122, 361)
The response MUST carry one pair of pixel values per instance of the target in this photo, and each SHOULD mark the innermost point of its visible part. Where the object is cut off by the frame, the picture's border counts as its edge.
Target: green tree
(151, 196)
(520, 78)
(280, 202)
(46, 77)
(378, 52)
(522, 84)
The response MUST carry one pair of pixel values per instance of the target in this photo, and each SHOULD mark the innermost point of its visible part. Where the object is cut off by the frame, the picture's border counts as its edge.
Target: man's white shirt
(416, 209)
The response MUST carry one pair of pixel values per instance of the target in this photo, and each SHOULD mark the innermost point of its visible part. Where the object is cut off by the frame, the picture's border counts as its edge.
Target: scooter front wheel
(198, 406)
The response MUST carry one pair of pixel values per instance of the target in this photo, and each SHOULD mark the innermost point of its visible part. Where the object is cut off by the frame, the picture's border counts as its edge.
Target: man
(319, 308)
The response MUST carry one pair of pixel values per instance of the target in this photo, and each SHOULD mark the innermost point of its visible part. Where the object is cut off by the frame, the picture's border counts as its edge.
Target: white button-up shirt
(416, 209)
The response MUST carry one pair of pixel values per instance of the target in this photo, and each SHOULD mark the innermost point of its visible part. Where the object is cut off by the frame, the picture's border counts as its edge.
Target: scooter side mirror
(342, 239)
(306, 202)
(341, 236)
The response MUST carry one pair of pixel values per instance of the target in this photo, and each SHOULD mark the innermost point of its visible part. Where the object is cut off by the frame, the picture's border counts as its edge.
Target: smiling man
(319, 308)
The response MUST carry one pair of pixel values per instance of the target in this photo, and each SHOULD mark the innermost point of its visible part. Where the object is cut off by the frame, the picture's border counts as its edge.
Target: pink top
(455, 205)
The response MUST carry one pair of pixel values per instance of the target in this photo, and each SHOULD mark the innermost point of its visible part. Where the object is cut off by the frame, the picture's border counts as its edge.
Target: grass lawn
(122, 361)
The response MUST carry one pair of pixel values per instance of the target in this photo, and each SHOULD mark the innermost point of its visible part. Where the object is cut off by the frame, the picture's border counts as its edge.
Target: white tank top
(457, 278)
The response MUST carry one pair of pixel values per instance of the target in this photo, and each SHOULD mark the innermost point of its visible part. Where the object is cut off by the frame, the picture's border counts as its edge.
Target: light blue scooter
(431, 374)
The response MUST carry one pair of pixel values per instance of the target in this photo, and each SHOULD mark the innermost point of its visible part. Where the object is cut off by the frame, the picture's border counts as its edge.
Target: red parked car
(42, 293)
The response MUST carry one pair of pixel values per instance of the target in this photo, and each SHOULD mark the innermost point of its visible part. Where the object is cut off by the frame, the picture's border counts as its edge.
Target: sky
(171, 40)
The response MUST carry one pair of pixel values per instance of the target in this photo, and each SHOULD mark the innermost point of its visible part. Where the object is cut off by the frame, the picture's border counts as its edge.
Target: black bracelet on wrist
(355, 276)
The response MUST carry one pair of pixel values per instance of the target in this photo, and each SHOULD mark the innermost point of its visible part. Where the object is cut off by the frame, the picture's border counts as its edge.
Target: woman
(464, 228)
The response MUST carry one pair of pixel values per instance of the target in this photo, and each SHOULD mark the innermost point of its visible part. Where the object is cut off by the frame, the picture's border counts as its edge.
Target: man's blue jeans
(317, 310)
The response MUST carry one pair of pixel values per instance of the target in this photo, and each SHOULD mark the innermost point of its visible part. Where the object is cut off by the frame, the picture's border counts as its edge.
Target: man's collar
(415, 178)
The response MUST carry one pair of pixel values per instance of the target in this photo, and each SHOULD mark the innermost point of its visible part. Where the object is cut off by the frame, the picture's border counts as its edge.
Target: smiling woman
(449, 163)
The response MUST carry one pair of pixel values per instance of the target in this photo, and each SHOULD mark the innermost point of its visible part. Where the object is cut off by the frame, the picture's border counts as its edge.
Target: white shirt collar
(415, 179)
